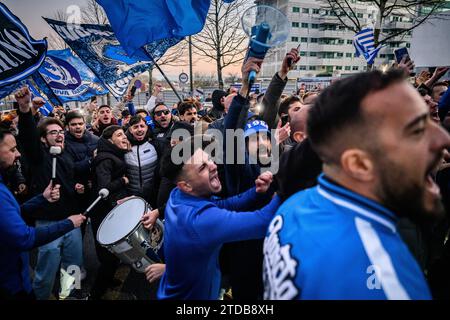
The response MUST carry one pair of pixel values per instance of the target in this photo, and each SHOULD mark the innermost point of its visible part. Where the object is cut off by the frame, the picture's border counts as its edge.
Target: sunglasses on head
(160, 112)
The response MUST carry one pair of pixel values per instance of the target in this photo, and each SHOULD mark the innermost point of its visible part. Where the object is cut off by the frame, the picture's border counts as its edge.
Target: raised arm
(271, 99)
(215, 226)
(28, 135)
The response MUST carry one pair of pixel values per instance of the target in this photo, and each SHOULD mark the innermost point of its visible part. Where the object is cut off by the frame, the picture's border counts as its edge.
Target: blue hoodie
(328, 242)
(194, 231)
(16, 238)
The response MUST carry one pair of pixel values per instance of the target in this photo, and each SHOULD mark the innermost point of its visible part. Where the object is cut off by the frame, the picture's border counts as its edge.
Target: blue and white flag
(98, 48)
(47, 108)
(68, 77)
(20, 54)
(365, 45)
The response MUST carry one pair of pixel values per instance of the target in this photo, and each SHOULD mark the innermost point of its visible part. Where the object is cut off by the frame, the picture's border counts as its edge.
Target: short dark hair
(72, 115)
(104, 106)
(158, 105)
(135, 119)
(438, 84)
(338, 108)
(142, 111)
(285, 104)
(42, 127)
(171, 170)
(3, 133)
(185, 106)
(109, 131)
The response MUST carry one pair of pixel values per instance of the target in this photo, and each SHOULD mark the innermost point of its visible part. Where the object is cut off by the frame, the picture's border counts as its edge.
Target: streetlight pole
(190, 66)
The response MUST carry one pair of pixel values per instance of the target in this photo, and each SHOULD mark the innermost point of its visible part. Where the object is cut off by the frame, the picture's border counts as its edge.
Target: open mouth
(430, 184)
(214, 181)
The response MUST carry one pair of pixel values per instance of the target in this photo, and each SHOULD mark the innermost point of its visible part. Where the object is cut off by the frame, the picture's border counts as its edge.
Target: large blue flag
(20, 54)
(149, 24)
(68, 77)
(99, 49)
(140, 23)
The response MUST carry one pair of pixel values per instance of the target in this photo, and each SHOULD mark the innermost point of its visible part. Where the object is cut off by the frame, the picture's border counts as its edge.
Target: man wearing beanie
(218, 109)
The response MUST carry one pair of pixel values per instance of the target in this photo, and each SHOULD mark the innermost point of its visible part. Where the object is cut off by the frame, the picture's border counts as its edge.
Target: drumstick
(102, 194)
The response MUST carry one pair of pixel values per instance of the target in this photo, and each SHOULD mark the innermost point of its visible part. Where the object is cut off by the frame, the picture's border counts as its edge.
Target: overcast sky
(31, 12)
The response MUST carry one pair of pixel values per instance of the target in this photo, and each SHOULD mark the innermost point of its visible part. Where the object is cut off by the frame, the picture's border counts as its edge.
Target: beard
(405, 197)
(7, 171)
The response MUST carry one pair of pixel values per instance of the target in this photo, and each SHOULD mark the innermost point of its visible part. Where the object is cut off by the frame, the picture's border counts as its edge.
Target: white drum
(123, 234)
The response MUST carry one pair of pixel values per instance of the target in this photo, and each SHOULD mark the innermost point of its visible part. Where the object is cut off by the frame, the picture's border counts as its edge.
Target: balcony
(397, 25)
(331, 47)
(338, 34)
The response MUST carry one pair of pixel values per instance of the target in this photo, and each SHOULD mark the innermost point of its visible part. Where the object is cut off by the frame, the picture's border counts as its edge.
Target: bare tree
(55, 42)
(232, 78)
(93, 13)
(345, 12)
(174, 57)
(222, 39)
(203, 80)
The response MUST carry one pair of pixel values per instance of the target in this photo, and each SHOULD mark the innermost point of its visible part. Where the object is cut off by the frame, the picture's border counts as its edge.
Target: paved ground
(133, 285)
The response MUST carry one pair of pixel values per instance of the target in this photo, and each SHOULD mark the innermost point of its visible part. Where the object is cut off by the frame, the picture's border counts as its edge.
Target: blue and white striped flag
(365, 45)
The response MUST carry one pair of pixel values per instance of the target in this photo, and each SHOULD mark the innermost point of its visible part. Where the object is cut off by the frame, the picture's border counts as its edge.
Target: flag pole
(164, 75)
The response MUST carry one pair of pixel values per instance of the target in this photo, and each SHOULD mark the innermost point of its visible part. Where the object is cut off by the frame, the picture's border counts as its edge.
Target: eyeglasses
(160, 112)
(56, 132)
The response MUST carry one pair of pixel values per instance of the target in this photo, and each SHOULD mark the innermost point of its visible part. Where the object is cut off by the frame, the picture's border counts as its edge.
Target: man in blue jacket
(339, 240)
(198, 224)
(16, 238)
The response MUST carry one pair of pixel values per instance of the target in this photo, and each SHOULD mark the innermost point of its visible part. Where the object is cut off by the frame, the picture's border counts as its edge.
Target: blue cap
(255, 126)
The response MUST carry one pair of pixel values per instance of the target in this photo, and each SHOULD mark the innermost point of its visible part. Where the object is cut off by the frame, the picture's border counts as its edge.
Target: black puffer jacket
(82, 151)
(110, 168)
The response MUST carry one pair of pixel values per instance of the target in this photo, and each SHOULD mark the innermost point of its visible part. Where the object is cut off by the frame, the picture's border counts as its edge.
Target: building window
(340, 41)
(295, 24)
(314, 26)
(313, 54)
(312, 67)
(294, 39)
(295, 9)
(348, 55)
(347, 68)
(302, 53)
(302, 68)
(305, 10)
(338, 67)
(349, 41)
(341, 28)
(360, 15)
(340, 54)
(355, 68)
(305, 25)
(382, 55)
(303, 39)
(314, 40)
(315, 11)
